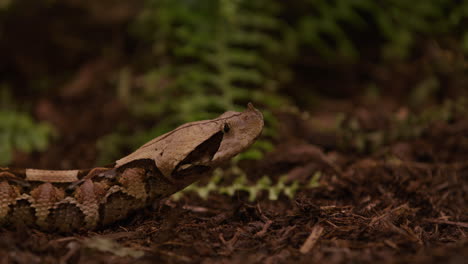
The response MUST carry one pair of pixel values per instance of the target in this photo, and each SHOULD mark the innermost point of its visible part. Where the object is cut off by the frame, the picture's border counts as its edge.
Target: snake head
(189, 151)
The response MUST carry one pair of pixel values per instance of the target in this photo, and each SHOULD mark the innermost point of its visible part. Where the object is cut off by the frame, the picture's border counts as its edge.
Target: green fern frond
(18, 131)
(400, 23)
(218, 55)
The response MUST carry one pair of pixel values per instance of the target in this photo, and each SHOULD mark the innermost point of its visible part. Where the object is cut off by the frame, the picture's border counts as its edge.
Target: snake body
(70, 200)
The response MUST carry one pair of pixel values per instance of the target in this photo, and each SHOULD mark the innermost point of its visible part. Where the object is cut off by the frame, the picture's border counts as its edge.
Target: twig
(447, 222)
(196, 209)
(312, 239)
(264, 229)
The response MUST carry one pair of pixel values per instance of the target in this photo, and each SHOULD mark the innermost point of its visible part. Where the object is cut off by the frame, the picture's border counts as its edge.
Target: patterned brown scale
(70, 200)
(8, 194)
(125, 197)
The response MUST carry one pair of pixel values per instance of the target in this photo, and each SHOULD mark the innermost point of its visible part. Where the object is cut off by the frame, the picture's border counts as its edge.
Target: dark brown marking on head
(204, 152)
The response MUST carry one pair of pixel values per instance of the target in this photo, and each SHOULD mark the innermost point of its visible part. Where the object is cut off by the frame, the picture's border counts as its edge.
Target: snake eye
(226, 128)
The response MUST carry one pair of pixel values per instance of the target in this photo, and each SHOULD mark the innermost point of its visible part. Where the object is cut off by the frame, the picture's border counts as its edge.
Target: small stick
(264, 229)
(447, 222)
(312, 239)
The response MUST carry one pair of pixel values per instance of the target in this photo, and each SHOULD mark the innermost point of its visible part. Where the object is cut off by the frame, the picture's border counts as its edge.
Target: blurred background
(365, 145)
(84, 82)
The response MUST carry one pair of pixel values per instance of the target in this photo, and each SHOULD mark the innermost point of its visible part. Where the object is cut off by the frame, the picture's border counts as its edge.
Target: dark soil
(368, 208)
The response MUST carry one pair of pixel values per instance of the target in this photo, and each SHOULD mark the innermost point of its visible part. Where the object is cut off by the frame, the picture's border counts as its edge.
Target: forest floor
(405, 202)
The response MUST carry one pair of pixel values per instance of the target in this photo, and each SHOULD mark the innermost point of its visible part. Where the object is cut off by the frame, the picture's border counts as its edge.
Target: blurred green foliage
(213, 55)
(196, 59)
(335, 29)
(4, 4)
(207, 57)
(18, 131)
(411, 126)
